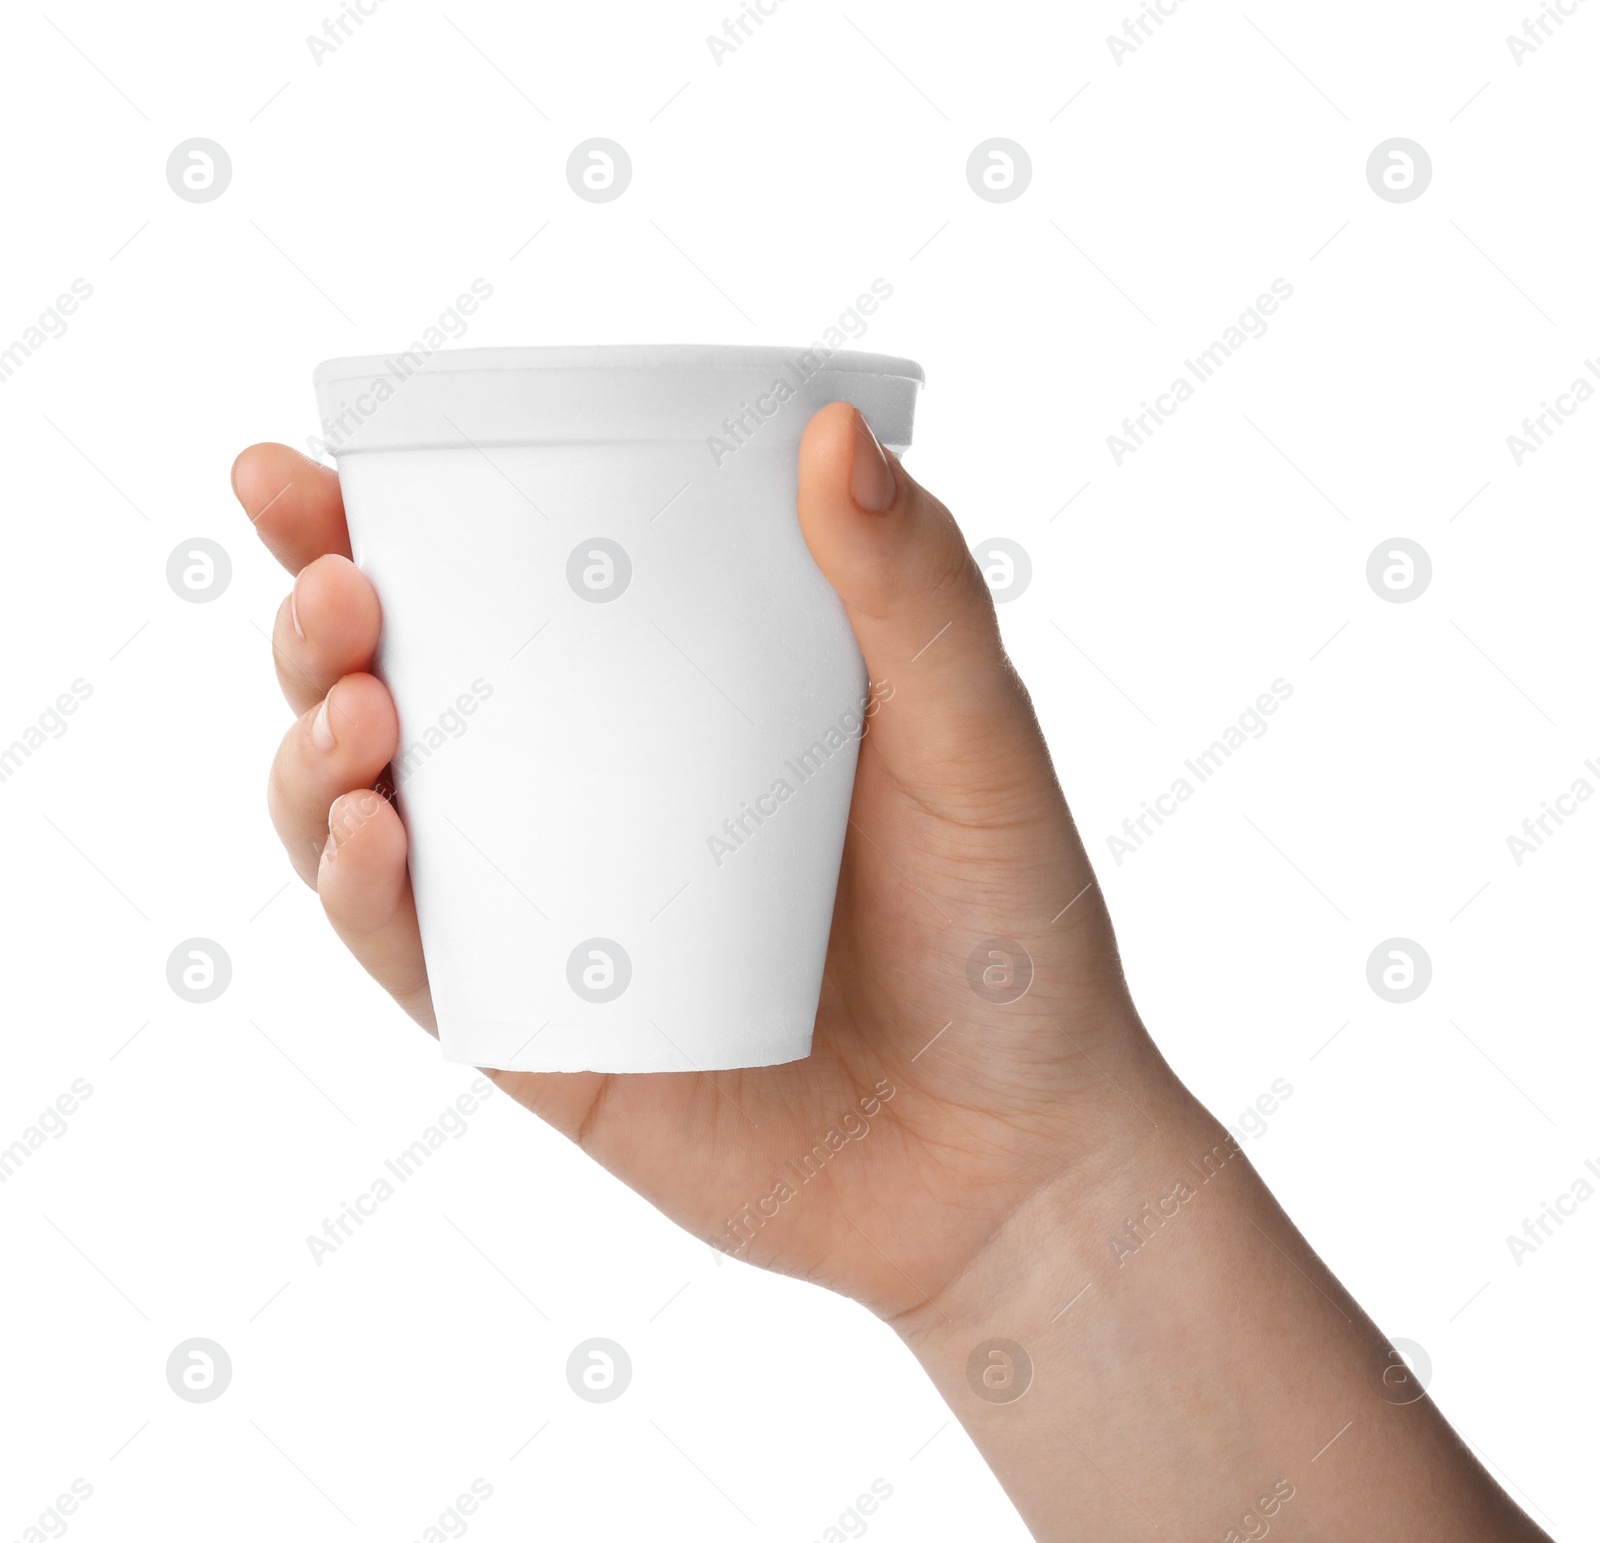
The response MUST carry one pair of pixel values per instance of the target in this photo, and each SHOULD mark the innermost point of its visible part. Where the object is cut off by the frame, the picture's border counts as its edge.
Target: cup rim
(618, 356)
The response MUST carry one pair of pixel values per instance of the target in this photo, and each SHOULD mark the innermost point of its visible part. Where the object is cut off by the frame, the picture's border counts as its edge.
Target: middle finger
(327, 628)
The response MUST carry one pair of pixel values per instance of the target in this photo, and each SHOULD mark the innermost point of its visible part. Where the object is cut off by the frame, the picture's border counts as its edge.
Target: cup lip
(618, 356)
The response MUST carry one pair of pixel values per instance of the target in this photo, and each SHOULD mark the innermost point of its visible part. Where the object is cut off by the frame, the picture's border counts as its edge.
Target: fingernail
(294, 610)
(872, 483)
(321, 729)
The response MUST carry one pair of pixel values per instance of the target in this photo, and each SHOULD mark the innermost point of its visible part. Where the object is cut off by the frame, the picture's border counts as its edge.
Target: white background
(829, 150)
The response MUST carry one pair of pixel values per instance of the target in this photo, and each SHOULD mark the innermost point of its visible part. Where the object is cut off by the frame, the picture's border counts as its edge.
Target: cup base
(633, 1048)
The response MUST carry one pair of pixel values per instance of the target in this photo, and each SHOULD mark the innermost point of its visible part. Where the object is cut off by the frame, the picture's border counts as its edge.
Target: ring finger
(335, 747)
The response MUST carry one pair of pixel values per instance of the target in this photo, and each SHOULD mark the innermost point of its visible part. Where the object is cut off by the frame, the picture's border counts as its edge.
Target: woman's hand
(1092, 1274)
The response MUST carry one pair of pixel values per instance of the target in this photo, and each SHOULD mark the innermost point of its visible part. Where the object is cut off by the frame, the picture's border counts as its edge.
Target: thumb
(955, 717)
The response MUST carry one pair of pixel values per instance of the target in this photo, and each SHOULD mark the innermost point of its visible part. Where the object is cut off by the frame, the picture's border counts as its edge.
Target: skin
(1189, 1375)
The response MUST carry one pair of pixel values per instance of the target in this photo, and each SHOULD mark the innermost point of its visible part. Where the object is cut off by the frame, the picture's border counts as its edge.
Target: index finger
(293, 502)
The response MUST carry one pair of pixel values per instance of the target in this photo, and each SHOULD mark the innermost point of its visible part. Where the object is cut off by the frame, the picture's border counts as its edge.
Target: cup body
(630, 705)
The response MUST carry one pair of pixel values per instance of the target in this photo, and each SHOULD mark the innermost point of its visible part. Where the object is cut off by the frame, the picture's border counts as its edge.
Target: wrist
(1072, 1236)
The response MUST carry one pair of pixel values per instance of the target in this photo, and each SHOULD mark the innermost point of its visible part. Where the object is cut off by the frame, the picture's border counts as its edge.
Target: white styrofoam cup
(630, 704)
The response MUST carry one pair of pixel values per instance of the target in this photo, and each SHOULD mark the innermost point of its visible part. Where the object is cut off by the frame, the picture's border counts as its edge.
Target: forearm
(1194, 1368)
